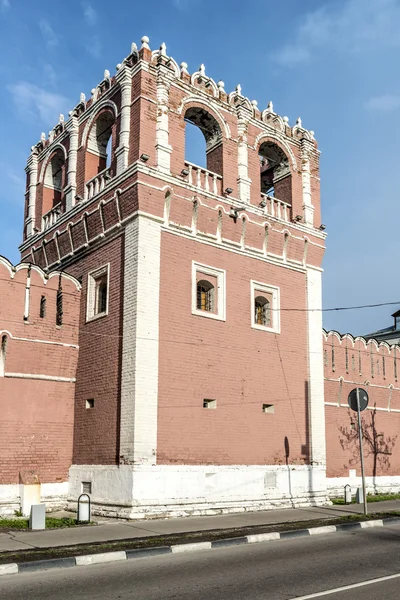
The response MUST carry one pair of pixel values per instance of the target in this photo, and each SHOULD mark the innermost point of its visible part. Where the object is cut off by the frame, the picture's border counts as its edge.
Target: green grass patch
(370, 498)
(23, 523)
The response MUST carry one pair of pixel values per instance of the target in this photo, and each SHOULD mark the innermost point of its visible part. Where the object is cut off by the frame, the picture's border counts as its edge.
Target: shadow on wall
(305, 449)
(374, 444)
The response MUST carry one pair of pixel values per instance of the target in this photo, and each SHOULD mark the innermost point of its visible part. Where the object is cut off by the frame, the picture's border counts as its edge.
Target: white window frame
(91, 292)
(257, 286)
(220, 274)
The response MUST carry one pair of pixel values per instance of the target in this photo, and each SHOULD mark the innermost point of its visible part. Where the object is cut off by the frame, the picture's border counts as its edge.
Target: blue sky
(335, 64)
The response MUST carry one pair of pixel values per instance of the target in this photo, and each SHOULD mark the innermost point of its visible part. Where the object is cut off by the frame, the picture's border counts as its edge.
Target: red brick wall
(380, 422)
(96, 431)
(242, 368)
(37, 414)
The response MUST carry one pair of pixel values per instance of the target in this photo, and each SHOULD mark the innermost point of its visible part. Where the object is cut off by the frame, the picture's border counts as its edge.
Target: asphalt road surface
(362, 565)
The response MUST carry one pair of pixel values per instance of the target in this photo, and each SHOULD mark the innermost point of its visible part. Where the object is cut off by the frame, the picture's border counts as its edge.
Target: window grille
(383, 366)
(347, 359)
(42, 312)
(262, 311)
(86, 487)
(205, 296)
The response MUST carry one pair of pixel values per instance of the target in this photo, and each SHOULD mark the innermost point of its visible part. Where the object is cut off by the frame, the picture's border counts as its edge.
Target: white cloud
(50, 74)
(4, 5)
(93, 46)
(33, 101)
(355, 27)
(49, 34)
(90, 14)
(386, 102)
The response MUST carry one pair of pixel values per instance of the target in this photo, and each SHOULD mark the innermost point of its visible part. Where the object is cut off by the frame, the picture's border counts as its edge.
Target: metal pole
(361, 453)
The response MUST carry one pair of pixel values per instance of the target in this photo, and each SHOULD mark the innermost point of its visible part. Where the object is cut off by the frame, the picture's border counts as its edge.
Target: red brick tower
(200, 376)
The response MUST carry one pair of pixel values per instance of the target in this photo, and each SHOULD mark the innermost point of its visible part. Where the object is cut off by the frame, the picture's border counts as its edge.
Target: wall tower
(200, 377)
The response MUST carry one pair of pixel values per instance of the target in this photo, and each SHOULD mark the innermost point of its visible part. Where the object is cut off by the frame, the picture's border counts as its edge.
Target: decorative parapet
(199, 79)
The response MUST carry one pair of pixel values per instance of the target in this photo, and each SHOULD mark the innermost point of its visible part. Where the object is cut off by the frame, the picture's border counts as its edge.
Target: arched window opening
(262, 311)
(53, 182)
(208, 154)
(108, 152)
(100, 144)
(205, 295)
(3, 351)
(275, 176)
(195, 146)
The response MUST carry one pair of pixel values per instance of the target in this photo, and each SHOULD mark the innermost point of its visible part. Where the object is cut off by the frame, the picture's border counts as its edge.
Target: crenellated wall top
(203, 84)
(373, 345)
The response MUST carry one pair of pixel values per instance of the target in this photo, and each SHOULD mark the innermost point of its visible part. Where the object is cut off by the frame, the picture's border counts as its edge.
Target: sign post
(358, 401)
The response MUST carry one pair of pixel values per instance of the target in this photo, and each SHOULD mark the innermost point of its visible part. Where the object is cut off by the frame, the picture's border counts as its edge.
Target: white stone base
(54, 495)
(374, 485)
(139, 492)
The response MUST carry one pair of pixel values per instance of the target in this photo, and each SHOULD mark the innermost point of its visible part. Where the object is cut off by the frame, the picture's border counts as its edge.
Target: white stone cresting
(137, 492)
(244, 182)
(139, 381)
(308, 209)
(163, 148)
(70, 192)
(122, 152)
(32, 169)
(316, 407)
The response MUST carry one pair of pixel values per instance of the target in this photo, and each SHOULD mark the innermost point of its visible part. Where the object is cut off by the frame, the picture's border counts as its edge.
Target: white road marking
(346, 587)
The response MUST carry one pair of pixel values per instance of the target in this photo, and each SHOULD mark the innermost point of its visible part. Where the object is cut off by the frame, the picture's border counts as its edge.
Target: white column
(308, 209)
(139, 385)
(163, 148)
(32, 169)
(70, 192)
(122, 153)
(316, 368)
(243, 161)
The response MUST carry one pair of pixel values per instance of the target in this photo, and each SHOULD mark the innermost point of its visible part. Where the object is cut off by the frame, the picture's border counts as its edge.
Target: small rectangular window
(209, 403)
(208, 291)
(59, 307)
(265, 301)
(86, 487)
(268, 408)
(97, 293)
(90, 403)
(42, 312)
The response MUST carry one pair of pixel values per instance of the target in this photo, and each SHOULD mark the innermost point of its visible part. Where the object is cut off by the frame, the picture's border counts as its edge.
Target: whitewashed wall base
(374, 485)
(54, 495)
(138, 492)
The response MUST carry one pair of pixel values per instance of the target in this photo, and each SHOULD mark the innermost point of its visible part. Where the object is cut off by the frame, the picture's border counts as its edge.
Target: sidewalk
(107, 530)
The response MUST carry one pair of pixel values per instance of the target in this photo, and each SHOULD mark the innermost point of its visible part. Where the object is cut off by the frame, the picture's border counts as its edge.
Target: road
(281, 570)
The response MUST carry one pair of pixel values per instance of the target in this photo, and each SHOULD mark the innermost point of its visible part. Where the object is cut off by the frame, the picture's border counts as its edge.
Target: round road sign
(362, 396)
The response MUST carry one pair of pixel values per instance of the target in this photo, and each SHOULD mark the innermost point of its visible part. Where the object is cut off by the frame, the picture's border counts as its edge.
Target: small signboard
(362, 397)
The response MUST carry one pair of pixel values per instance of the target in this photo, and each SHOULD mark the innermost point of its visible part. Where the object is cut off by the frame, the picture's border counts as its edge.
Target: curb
(106, 557)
